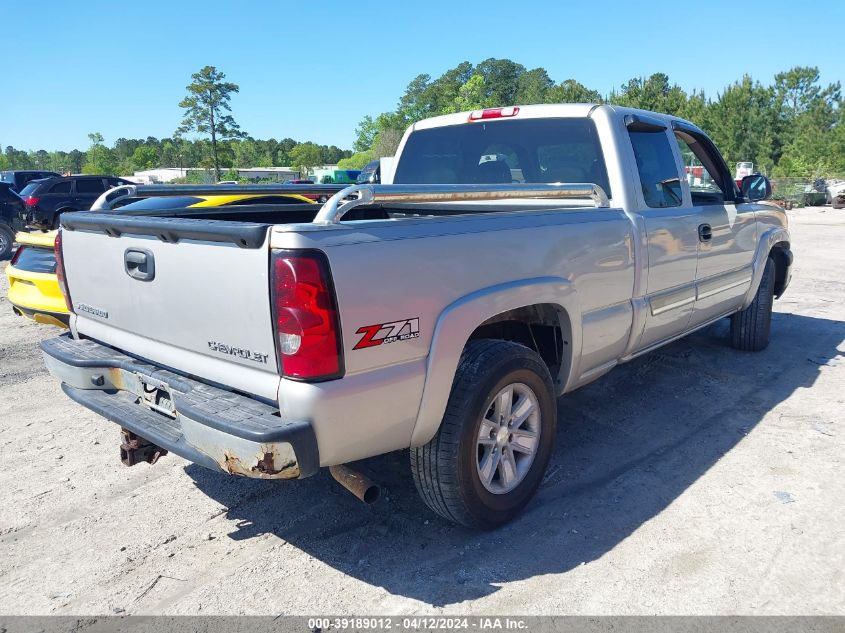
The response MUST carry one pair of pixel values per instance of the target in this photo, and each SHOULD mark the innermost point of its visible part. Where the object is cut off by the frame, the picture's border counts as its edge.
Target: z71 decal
(388, 332)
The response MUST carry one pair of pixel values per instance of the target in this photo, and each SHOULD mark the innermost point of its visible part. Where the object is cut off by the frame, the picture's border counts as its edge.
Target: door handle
(705, 233)
(139, 264)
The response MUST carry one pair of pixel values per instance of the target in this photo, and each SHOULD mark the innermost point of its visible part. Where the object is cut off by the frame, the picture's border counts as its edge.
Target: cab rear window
(507, 151)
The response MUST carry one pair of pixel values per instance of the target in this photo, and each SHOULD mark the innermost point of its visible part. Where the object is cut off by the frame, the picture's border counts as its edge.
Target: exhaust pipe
(358, 484)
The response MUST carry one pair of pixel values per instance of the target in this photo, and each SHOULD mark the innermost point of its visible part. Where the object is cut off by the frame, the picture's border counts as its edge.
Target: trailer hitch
(135, 449)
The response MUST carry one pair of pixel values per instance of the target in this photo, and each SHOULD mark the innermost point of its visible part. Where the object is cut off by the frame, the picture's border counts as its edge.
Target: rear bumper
(59, 319)
(212, 427)
(40, 218)
(36, 293)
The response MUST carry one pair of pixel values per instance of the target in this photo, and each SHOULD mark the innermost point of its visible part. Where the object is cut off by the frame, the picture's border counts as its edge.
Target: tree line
(206, 112)
(127, 156)
(792, 127)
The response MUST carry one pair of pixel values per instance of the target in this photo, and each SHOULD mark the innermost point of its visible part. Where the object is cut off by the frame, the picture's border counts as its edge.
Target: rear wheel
(488, 457)
(7, 239)
(750, 328)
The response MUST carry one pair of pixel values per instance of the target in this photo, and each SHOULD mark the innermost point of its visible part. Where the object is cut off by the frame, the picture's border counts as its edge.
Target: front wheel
(488, 457)
(751, 327)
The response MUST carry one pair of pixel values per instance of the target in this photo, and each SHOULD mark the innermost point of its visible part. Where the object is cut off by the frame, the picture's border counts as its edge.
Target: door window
(701, 172)
(90, 186)
(659, 177)
(61, 187)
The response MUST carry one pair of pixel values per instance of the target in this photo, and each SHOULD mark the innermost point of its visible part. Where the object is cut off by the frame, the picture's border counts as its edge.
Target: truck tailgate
(192, 295)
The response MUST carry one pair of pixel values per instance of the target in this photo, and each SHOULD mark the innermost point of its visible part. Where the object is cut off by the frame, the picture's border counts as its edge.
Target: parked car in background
(11, 218)
(48, 198)
(371, 174)
(203, 202)
(835, 190)
(743, 169)
(33, 285)
(19, 178)
(316, 197)
(336, 176)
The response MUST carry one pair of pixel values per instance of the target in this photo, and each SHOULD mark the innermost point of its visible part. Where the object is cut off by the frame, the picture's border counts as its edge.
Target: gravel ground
(695, 480)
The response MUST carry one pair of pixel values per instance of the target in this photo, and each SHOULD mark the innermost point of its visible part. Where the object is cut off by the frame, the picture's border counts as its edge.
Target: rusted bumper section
(210, 426)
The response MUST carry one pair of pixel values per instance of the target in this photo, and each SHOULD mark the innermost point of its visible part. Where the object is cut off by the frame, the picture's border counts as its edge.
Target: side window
(61, 187)
(659, 177)
(700, 170)
(92, 185)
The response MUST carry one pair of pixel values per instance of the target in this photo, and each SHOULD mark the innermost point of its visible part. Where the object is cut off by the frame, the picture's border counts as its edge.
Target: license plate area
(155, 394)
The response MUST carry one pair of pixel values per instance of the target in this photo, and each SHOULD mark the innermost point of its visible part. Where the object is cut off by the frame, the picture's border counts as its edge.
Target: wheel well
(543, 327)
(779, 254)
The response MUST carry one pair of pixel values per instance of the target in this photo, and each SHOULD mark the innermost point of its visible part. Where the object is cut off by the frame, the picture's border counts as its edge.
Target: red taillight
(31, 200)
(493, 113)
(305, 314)
(60, 271)
(17, 255)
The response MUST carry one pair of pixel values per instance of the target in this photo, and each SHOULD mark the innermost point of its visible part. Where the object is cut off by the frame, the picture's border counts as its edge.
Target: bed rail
(343, 201)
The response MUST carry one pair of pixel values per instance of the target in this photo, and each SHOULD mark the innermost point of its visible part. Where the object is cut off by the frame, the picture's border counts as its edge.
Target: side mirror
(755, 187)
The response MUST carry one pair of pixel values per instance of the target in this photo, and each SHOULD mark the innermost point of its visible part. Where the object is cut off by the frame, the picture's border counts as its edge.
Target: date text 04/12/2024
(420, 623)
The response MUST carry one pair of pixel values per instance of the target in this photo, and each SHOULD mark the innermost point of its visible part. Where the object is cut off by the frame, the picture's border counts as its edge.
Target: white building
(169, 174)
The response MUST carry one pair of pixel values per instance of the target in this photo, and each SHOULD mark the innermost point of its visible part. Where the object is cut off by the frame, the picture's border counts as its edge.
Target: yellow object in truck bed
(33, 286)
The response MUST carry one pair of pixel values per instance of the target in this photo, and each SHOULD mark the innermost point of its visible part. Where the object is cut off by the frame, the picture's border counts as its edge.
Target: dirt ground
(695, 480)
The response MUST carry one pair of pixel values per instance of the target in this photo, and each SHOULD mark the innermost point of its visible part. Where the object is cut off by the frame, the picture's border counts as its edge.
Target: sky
(311, 71)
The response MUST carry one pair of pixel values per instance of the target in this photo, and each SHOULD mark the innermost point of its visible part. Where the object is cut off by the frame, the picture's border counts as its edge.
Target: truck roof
(547, 110)
(573, 110)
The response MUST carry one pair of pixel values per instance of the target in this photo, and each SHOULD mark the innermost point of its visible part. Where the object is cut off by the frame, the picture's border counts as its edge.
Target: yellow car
(33, 287)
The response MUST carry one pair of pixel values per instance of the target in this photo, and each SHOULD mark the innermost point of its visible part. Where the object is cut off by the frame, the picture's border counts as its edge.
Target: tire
(447, 470)
(837, 204)
(7, 240)
(750, 328)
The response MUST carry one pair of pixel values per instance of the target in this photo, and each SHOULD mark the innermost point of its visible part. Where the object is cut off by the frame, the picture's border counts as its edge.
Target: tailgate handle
(139, 264)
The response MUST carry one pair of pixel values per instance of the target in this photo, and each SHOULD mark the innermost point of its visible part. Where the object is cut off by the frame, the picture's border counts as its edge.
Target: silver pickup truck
(518, 254)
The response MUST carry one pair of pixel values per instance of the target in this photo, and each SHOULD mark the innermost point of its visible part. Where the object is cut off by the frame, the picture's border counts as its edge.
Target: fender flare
(460, 319)
(767, 240)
